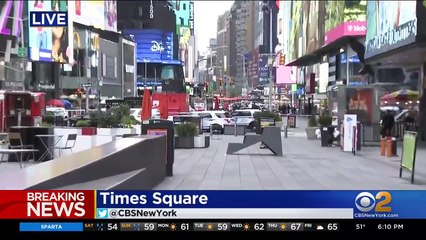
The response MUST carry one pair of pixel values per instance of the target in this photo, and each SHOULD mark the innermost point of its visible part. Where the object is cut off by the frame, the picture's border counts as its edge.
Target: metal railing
(371, 134)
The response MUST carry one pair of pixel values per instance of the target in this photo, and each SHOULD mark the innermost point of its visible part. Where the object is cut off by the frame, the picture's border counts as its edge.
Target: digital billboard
(390, 24)
(10, 22)
(99, 14)
(50, 44)
(152, 44)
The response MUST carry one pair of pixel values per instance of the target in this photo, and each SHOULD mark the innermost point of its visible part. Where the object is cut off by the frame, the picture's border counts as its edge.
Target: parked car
(245, 117)
(58, 111)
(136, 113)
(214, 117)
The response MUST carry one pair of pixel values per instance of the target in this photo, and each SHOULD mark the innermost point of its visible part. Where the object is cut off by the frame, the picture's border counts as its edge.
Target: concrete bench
(143, 158)
(270, 137)
(17, 152)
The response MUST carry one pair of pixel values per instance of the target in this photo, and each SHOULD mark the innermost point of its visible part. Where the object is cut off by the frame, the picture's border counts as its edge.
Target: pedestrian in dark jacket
(388, 123)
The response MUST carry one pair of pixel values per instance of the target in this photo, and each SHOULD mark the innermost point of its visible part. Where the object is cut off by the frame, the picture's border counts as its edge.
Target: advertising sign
(357, 28)
(10, 22)
(360, 102)
(349, 122)
(50, 44)
(89, 13)
(110, 15)
(191, 17)
(40, 38)
(263, 67)
(152, 44)
(391, 24)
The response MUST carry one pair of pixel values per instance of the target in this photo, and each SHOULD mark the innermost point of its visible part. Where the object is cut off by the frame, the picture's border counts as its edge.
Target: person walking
(388, 122)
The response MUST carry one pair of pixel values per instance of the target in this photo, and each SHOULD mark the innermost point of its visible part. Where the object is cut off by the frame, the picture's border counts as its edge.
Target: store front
(396, 53)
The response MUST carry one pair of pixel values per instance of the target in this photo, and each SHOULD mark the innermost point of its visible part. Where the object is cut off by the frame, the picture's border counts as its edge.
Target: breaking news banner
(40, 204)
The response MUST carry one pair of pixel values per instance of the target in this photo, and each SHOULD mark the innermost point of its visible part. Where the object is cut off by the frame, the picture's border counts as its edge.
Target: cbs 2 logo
(365, 202)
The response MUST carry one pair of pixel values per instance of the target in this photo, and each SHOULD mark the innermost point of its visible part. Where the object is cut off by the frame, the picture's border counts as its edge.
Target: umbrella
(402, 95)
(146, 105)
(55, 103)
(67, 104)
(164, 106)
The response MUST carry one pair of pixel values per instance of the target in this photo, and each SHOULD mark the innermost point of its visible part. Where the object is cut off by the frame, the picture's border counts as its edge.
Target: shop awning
(335, 46)
(306, 60)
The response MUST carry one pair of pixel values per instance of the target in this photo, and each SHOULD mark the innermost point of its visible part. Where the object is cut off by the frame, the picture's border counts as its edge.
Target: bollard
(286, 132)
(389, 147)
(235, 128)
(383, 146)
(394, 147)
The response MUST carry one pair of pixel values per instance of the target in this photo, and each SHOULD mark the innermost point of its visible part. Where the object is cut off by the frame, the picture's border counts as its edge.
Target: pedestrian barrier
(141, 158)
(270, 138)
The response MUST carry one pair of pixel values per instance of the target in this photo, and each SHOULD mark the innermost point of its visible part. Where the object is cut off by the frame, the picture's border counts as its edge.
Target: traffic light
(220, 82)
(206, 86)
(282, 59)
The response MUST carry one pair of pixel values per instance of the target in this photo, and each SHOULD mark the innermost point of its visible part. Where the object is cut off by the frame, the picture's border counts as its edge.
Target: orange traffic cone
(383, 147)
(389, 146)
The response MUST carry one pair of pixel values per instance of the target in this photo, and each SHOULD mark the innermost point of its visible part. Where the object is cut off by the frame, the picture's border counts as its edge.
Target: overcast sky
(206, 13)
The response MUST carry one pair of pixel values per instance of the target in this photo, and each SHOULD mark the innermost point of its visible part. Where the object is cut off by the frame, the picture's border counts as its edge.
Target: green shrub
(325, 120)
(267, 114)
(186, 130)
(83, 123)
(313, 121)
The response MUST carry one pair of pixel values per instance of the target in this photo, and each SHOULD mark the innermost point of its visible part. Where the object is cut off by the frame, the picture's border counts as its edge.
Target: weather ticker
(42, 211)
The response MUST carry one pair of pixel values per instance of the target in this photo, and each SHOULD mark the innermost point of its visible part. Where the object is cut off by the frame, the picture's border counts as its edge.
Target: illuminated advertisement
(110, 15)
(99, 14)
(344, 18)
(10, 24)
(40, 38)
(152, 45)
(390, 24)
(49, 44)
(296, 31)
(185, 34)
(191, 17)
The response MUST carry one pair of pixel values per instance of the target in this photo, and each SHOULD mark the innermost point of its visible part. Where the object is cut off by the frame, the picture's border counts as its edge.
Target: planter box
(89, 131)
(184, 142)
(230, 129)
(116, 131)
(311, 133)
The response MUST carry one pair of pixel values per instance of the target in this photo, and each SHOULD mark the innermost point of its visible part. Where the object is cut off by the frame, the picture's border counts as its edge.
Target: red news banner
(49, 204)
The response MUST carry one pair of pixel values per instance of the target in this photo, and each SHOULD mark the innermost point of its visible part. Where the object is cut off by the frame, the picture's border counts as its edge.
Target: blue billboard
(263, 67)
(152, 45)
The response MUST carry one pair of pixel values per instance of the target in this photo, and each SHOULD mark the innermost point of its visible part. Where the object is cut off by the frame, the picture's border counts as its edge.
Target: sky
(205, 18)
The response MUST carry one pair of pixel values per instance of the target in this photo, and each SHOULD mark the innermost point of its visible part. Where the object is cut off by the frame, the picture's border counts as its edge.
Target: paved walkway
(305, 165)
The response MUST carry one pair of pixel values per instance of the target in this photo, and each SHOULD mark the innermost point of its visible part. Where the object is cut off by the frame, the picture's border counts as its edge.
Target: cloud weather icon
(102, 213)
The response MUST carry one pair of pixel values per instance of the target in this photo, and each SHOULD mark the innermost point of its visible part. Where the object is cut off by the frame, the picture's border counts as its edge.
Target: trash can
(291, 121)
(163, 127)
(327, 136)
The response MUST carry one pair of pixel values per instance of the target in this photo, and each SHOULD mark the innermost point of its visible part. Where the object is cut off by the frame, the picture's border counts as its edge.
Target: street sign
(86, 85)
(22, 52)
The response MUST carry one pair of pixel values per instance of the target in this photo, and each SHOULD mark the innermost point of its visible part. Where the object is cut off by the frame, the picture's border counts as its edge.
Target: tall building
(239, 13)
(148, 15)
(222, 48)
(185, 31)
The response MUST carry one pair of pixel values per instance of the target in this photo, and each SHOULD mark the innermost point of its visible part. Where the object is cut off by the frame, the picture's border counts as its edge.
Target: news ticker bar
(224, 213)
(172, 226)
(222, 225)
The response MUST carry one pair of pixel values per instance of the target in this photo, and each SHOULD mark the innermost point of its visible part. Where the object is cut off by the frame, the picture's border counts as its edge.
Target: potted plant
(86, 129)
(185, 135)
(267, 118)
(312, 127)
(327, 130)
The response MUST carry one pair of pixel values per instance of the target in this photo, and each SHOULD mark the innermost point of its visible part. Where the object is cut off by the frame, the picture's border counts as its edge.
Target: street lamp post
(267, 8)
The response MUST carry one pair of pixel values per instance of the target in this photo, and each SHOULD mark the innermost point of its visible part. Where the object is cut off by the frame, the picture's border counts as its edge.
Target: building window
(181, 21)
(184, 7)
